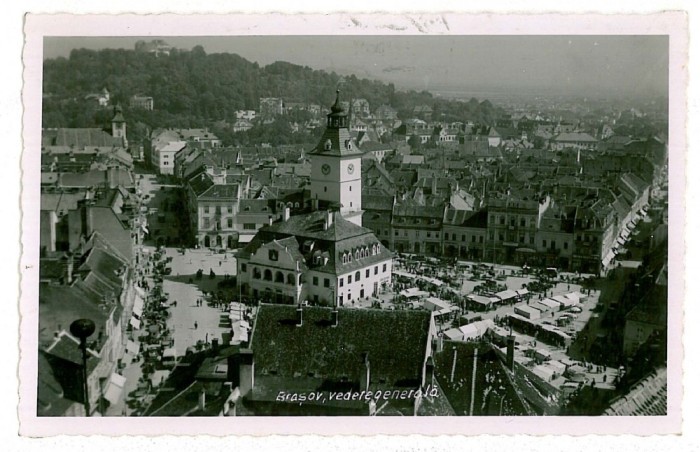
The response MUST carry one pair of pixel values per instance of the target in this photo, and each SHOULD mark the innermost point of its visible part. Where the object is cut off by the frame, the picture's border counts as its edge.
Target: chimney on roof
(334, 317)
(246, 371)
(328, 220)
(510, 352)
(285, 216)
(300, 315)
(429, 373)
(69, 268)
(269, 220)
(202, 401)
(215, 346)
(364, 384)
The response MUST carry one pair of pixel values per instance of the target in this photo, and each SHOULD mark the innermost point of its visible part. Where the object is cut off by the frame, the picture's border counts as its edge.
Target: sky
(579, 65)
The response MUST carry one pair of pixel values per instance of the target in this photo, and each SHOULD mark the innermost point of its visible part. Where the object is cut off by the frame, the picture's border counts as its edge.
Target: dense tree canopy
(196, 89)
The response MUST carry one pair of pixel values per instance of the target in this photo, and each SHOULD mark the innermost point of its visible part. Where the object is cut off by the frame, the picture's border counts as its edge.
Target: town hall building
(325, 256)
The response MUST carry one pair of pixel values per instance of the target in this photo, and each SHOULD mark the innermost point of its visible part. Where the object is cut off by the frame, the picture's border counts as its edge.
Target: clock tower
(336, 164)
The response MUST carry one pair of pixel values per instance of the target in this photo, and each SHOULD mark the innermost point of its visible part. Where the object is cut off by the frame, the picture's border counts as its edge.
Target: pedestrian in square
(195, 325)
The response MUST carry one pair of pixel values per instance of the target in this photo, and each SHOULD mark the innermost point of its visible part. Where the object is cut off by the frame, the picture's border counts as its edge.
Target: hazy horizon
(574, 65)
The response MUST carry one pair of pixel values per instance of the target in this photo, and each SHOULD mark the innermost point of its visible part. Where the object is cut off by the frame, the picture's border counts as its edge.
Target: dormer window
(327, 145)
(273, 255)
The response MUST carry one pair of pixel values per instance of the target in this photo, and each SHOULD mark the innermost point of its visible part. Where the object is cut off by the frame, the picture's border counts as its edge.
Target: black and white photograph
(355, 224)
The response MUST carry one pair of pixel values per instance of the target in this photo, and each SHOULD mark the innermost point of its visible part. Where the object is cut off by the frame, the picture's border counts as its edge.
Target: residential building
(271, 106)
(360, 108)
(141, 102)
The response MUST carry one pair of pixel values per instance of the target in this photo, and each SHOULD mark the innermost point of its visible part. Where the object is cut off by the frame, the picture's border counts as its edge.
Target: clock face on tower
(326, 168)
(351, 168)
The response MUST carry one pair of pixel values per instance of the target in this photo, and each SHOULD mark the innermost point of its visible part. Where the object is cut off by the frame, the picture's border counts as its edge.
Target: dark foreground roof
(394, 341)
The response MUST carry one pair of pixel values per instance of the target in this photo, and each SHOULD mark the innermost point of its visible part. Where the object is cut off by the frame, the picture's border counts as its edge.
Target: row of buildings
(565, 208)
(90, 224)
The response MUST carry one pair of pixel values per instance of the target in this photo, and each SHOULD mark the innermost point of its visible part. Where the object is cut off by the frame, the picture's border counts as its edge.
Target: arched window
(279, 277)
(291, 279)
(362, 254)
(327, 145)
(345, 258)
(349, 257)
(268, 275)
(357, 276)
(374, 249)
(256, 273)
(357, 255)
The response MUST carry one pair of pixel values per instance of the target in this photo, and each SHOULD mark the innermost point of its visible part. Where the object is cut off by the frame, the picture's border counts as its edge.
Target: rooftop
(319, 349)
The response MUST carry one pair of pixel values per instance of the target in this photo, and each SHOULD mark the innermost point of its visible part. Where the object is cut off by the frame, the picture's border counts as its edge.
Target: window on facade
(268, 275)
(243, 268)
(249, 226)
(349, 279)
(205, 223)
(345, 259)
(325, 189)
(315, 281)
(566, 245)
(256, 273)
(367, 273)
(273, 255)
(396, 233)
(544, 244)
(291, 279)
(454, 236)
(357, 255)
(229, 223)
(340, 282)
(481, 239)
(357, 276)
(383, 268)
(279, 277)
(522, 222)
(376, 269)
(502, 220)
(326, 282)
(500, 237)
(447, 236)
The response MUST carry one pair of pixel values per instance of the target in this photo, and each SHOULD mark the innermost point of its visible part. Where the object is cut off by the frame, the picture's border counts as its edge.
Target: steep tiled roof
(574, 137)
(646, 398)
(221, 191)
(333, 352)
(341, 237)
(79, 137)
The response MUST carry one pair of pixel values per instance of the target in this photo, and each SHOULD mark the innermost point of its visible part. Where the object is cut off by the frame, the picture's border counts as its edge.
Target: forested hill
(193, 88)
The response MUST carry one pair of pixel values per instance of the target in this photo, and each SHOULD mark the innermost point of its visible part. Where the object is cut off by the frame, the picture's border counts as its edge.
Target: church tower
(119, 125)
(336, 164)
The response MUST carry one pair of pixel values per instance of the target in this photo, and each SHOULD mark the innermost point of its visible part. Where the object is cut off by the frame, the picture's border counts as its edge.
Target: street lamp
(82, 329)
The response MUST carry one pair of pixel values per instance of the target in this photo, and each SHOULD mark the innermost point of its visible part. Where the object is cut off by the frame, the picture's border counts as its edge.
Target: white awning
(136, 323)
(133, 347)
(138, 306)
(115, 388)
(140, 292)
